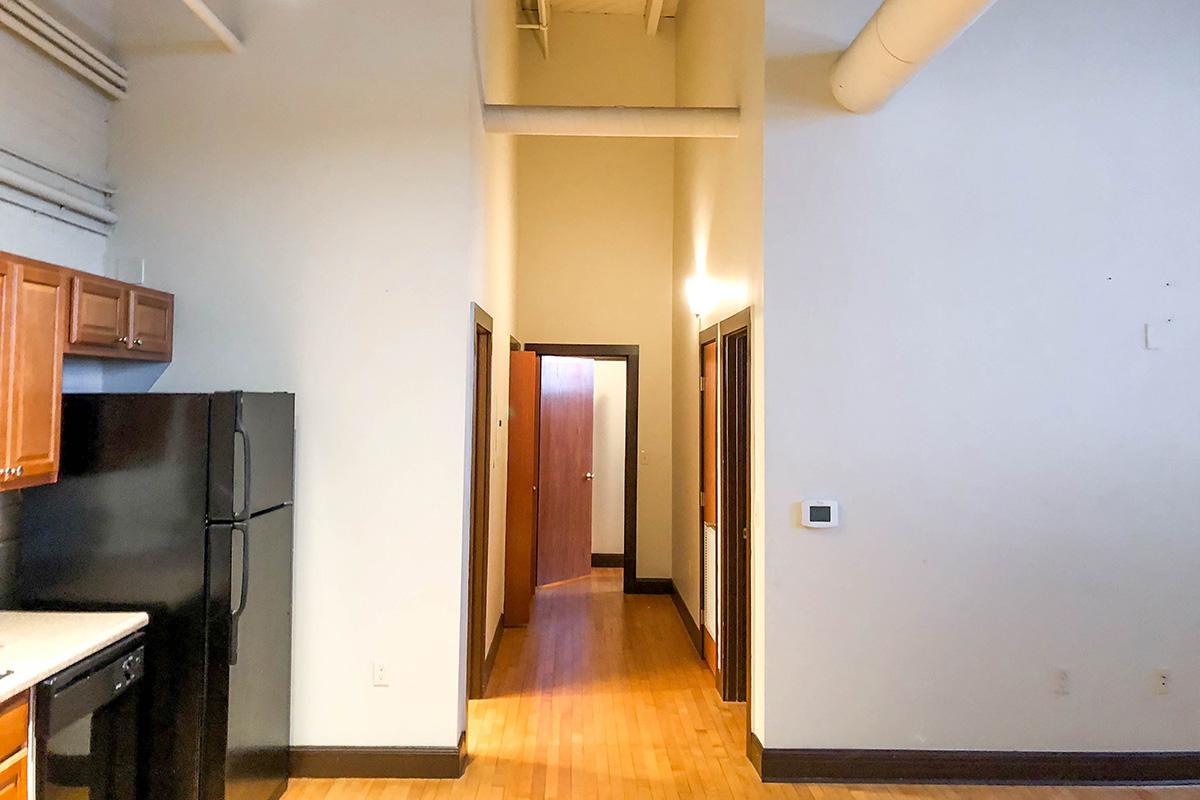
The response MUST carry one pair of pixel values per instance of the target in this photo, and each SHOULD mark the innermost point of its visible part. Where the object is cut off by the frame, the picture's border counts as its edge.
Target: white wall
(595, 230)
(608, 458)
(314, 203)
(54, 118)
(495, 284)
(956, 288)
(718, 232)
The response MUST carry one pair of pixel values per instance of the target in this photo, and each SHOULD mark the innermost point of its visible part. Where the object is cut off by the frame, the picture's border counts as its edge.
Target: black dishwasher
(86, 726)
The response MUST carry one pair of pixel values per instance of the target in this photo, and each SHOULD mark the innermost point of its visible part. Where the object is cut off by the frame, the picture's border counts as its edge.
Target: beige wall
(718, 229)
(595, 231)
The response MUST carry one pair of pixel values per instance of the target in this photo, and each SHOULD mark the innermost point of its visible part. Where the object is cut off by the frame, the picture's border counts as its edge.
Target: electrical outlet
(1160, 681)
(1062, 682)
(381, 674)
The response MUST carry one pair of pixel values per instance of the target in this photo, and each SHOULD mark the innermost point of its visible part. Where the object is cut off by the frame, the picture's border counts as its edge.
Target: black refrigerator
(181, 505)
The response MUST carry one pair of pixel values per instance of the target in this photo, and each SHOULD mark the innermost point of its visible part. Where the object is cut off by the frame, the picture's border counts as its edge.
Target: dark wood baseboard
(648, 586)
(379, 762)
(689, 624)
(490, 660)
(608, 560)
(972, 767)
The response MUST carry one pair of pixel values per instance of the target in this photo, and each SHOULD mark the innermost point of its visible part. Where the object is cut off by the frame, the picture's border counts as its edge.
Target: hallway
(604, 696)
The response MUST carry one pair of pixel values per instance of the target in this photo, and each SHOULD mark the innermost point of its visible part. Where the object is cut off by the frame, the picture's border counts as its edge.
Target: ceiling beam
(229, 40)
(653, 15)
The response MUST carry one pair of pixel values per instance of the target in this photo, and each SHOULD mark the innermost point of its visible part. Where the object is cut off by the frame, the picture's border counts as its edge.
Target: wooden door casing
(99, 314)
(564, 539)
(520, 548)
(734, 505)
(9, 272)
(481, 458)
(35, 398)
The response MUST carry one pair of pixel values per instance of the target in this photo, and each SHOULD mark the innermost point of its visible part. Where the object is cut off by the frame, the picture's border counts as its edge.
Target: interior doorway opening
(724, 351)
(573, 444)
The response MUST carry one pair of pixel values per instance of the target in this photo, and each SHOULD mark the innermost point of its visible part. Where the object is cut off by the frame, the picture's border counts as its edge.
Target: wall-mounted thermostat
(819, 514)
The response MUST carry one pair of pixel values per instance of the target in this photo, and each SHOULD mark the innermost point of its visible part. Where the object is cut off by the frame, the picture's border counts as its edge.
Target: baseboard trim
(608, 560)
(689, 624)
(648, 586)
(972, 767)
(379, 762)
(489, 660)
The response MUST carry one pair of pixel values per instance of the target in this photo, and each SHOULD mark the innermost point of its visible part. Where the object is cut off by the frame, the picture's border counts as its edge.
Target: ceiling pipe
(56, 197)
(901, 37)
(627, 121)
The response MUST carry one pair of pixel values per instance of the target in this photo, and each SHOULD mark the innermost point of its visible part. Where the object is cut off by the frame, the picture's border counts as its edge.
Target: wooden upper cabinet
(151, 319)
(33, 393)
(110, 319)
(99, 313)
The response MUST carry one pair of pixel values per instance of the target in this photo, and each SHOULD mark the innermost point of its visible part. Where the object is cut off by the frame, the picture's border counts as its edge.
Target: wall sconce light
(701, 293)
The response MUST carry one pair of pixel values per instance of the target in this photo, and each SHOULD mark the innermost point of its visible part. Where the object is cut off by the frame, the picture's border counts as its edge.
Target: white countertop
(38, 644)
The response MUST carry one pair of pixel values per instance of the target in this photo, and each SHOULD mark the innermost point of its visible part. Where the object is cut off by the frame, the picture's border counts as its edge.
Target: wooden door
(35, 404)
(481, 457)
(564, 546)
(708, 497)
(151, 323)
(520, 553)
(99, 314)
(734, 531)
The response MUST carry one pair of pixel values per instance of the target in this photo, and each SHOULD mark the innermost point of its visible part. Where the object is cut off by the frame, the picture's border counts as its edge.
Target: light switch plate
(132, 270)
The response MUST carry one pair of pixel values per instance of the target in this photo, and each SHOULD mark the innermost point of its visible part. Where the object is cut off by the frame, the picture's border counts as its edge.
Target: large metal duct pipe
(896, 43)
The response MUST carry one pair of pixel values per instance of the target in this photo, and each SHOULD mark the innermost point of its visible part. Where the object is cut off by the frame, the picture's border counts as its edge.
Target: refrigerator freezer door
(123, 529)
(258, 430)
(250, 623)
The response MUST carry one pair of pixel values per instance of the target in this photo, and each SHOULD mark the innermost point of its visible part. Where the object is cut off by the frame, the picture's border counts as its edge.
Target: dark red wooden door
(564, 537)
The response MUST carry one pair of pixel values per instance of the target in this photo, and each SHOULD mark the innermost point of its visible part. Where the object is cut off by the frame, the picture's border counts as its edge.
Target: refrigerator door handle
(235, 614)
(239, 427)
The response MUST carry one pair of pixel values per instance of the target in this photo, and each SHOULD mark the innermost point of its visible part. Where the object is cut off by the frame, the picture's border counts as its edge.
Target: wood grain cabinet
(14, 749)
(110, 319)
(47, 312)
(34, 324)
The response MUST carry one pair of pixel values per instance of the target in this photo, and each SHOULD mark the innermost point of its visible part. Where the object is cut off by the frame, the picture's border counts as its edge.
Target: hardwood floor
(603, 696)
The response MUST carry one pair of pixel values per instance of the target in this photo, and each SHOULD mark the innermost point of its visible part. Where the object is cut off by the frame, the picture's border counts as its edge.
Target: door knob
(589, 475)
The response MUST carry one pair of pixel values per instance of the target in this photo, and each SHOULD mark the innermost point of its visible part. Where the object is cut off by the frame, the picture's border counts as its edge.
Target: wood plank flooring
(603, 696)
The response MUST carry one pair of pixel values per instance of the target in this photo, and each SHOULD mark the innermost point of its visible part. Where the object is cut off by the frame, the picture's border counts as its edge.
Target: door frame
(629, 353)
(732, 650)
(481, 480)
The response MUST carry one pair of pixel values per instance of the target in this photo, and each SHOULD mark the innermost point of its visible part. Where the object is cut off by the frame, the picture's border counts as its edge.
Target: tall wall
(957, 288)
(718, 232)
(595, 230)
(315, 204)
(495, 280)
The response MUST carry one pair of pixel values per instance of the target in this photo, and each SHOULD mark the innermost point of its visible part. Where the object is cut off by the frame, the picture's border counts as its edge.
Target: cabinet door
(99, 314)
(150, 322)
(14, 779)
(35, 404)
(8, 278)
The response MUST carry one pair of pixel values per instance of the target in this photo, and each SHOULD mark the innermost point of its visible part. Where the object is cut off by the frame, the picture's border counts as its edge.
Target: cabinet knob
(137, 342)
(19, 471)
(123, 340)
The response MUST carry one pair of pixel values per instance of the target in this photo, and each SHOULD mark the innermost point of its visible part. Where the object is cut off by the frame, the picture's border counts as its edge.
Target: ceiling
(635, 7)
